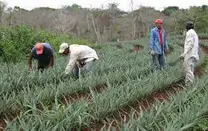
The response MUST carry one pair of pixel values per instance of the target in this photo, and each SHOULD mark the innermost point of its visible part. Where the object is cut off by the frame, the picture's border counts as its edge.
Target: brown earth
(82, 95)
(122, 116)
(13, 115)
(205, 49)
(136, 48)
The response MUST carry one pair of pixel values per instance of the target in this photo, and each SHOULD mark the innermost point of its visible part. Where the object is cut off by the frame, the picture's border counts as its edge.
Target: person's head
(64, 49)
(159, 23)
(39, 48)
(189, 25)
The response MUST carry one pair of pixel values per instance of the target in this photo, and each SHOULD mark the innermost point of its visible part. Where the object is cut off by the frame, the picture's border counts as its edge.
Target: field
(124, 93)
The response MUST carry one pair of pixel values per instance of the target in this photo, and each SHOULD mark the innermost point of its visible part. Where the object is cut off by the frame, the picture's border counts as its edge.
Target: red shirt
(160, 36)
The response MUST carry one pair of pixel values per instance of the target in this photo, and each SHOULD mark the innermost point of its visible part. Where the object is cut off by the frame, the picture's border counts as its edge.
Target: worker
(81, 58)
(158, 45)
(44, 53)
(191, 53)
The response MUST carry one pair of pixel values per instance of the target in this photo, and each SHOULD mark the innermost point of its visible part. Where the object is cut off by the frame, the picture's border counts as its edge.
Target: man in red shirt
(158, 45)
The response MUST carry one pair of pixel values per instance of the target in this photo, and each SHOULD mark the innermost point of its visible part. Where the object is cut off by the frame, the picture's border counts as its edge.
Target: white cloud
(123, 4)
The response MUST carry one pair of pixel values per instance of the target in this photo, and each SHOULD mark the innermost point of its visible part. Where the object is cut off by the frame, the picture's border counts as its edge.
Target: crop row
(83, 113)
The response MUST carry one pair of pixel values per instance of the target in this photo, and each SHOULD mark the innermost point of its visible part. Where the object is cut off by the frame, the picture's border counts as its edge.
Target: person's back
(83, 51)
(81, 58)
(190, 54)
(47, 46)
(192, 37)
(44, 53)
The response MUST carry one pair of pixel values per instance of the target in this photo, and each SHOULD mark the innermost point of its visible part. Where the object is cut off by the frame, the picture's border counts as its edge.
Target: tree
(2, 9)
(113, 6)
(74, 7)
(204, 7)
(169, 10)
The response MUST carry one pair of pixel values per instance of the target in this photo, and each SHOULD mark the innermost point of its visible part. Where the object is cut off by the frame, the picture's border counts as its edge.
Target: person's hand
(29, 70)
(167, 51)
(182, 56)
(152, 52)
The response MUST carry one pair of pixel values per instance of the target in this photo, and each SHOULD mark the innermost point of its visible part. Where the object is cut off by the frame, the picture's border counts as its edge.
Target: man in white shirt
(190, 55)
(81, 57)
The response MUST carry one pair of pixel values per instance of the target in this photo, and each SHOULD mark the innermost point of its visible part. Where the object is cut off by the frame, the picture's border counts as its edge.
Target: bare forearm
(51, 61)
(30, 62)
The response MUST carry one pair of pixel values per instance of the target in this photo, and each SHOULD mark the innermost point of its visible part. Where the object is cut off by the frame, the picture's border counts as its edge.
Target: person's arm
(189, 45)
(151, 45)
(30, 62)
(51, 60)
(151, 42)
(70, 66)
(165, 42)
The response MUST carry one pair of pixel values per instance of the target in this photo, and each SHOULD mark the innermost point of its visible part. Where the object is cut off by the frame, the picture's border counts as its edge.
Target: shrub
(18, 41)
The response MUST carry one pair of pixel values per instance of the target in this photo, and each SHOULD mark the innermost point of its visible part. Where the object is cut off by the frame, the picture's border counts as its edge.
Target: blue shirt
(43, 59)
(154, 42)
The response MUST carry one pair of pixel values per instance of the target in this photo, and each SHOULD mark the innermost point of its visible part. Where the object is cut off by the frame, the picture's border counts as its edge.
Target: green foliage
(74, 7)
(18, 41)
(199, 15)
(169, 10)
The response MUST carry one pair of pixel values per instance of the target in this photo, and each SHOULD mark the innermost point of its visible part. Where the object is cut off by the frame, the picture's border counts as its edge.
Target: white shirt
(191, 45)
(80, 52)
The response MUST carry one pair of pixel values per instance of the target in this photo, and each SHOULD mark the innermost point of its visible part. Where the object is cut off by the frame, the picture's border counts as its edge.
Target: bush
(18, 41)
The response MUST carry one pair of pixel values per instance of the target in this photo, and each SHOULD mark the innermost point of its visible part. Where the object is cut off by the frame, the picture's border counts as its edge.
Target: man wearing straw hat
(81, 57)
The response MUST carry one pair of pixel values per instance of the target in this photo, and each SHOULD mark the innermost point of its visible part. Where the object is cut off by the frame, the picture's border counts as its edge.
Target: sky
(123, 4)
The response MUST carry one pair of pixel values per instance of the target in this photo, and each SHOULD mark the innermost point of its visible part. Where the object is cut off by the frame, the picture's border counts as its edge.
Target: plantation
(124, 93)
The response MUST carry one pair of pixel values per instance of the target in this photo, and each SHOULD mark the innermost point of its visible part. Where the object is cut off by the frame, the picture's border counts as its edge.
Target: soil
(123, 115)
(205, 49)
(136, 48)
(13, 115)
(203, 39)
(82, 95)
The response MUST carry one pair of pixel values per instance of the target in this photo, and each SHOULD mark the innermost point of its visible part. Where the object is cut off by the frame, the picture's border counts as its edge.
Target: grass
(182, 112)
(127, 78)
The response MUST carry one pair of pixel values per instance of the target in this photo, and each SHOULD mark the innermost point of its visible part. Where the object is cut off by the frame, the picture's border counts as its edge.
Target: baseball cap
(39, 48)
(62, 47)
(159, 21)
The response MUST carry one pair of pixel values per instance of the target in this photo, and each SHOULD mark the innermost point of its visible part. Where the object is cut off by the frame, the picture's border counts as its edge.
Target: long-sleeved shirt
(191, 45)
(80, 52)
(155, 43)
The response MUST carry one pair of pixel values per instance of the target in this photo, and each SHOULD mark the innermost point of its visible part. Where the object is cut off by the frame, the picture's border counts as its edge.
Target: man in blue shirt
(158, 45)
(44, 53)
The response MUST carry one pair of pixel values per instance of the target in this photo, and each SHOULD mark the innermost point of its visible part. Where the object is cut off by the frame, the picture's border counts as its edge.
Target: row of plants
(84, 113)
(188, 110)
(128, 61)
(49, 90)
(114, 97)
(33, 84)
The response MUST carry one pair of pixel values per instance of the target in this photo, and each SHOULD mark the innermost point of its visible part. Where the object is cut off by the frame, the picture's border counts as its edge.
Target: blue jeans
(87, 68)
(158, 61)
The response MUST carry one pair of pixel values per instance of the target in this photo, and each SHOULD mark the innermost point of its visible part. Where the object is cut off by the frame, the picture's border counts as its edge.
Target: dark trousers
(87, 68)
(158, 61)
(42, 67)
